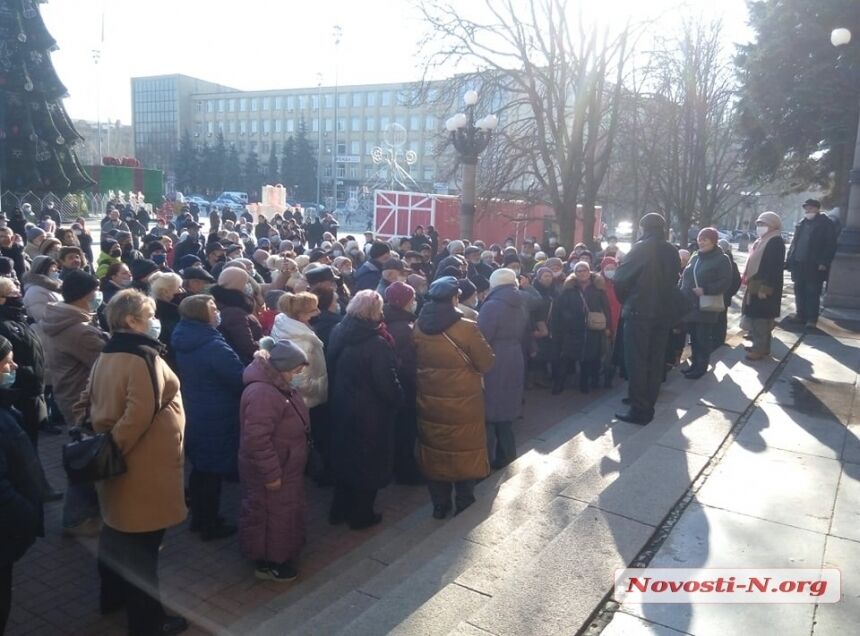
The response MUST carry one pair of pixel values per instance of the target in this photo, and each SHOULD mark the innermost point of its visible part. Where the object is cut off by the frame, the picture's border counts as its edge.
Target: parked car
(196, 199)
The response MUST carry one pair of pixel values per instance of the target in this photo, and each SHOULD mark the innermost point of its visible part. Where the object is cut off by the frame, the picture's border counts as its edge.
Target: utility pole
(337, 34)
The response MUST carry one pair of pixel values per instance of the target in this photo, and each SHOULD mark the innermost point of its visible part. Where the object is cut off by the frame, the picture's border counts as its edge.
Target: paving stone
(513, 555)
(774, 484)
(851, 450)
(775, 426)
(335, 617)
(561, 587)
(624, 624)
(437, 615)
(814, 397)
(841, 617)
(701, 430)
(467, 629)
(706, 537)
(647, 490)
(846, 513)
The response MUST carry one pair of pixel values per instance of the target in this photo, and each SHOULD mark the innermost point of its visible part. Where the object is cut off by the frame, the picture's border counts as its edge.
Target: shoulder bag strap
(696, 269)
(459, 349)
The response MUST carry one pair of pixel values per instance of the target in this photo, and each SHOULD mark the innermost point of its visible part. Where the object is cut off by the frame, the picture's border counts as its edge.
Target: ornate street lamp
(842, 289)
(470, 139)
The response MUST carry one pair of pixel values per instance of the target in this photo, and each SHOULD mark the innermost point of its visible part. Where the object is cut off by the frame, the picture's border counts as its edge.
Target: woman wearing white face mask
(134, 396)
(763, 277)
(211, 376)
(41, 287)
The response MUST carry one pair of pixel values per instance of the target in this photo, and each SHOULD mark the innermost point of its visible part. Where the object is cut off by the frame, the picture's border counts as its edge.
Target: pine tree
(37, 135)
(306, 166)
(232, 170)
(202, 175)
(218, 163)
(186, 164)
(288, 164)
(252, 176)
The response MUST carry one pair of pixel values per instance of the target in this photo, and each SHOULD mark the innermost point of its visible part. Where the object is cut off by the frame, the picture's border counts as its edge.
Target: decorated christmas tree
(36, 134)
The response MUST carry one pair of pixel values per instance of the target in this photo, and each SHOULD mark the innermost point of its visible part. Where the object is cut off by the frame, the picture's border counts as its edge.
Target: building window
(353, 171)
(198, 106)
(385, 98)
(355, 124)
(429, 148)
(328, 100)
(265, 148)
(315, 102)
(355, 148)
(252, 146)
(231, 126)
(384, 122)
(341, 124)
(315, 125)
(356, 100)
(413, 146)
(231, 105)
(279, 126)
(329, 124)
(341, 148)
(267, 126)
(430, 122)
(368, 148)
(255, 104)
(429, 174)
(342, 100)
(291, 102)
(198, 129)
(254, 127)
(368, 171)
(221, 105)
(300, 100)
(243, 127)
(267, 103)
(279, 103)
(414, 122)
(341, 173)
(327, 170)
(369, 124)
(371, 99)
(210, 106)
(291, 125)
(243, 104)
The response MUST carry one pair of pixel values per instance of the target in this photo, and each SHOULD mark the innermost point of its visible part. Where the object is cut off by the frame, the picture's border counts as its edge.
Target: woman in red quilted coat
(273, 451)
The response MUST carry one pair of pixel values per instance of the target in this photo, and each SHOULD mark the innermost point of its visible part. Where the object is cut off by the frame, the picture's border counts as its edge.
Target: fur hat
(503, 276)
(234, 278)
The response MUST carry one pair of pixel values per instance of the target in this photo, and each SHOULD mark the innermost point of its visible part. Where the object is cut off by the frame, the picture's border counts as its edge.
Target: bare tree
(555, 83)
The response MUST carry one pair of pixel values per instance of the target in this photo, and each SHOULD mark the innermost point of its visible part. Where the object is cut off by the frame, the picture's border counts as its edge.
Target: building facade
(117, 140)
(343, 124)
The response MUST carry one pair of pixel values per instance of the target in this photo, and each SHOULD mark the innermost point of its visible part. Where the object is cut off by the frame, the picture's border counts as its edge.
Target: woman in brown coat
(135, 396)
(452, 358)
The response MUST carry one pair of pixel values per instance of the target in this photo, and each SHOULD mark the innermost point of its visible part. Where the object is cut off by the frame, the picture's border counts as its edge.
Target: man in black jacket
(808, 260)
(646, 284)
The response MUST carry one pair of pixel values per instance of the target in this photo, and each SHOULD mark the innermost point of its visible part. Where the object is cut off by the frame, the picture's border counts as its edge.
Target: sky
(261, 44)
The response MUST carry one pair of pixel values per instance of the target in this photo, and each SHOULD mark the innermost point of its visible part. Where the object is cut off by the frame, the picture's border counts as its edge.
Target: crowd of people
(268, 351)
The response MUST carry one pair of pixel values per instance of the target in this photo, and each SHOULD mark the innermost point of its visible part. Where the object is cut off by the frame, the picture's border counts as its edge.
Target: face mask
(158, 259)
(54, 275)
(761, 230)
(154, 329)
(249, 290)
(810, 215)
(96, 301)
(609, 273)
(116, 253)
(216, 322)
(7, 380)
(125, 283)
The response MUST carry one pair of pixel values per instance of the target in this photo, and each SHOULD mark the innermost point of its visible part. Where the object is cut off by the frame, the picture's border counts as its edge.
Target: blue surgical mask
(158, 259)
(154, 329)
(54, 275)
(217, 322)
(7, 380)
(96, 301)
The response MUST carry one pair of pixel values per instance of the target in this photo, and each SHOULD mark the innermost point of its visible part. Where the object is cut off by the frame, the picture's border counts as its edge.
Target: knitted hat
(508, 260)
(503, 276)
(78, 284)
(318, 274)
(481, 283)
(378, 250)
(456, 247)
(41, 264)
(234, 278)
(107, 244)
(188, 260)
(444, 288)
(770, 219)
(554, 262)
(393, 263)
(33, 233)
(283, 354)
(652, 221)
(5, 347)
(467, 289)
(543, 270)
(710, 234)
(141, 268)
(399, 294)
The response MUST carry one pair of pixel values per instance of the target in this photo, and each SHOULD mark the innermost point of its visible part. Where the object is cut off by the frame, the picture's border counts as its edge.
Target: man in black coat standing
(809, 258)
(646, 284)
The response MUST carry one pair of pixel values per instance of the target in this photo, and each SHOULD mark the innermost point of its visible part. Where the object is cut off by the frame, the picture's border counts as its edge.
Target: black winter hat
(141, 268)
(318, 274)
(652, 221)
(444, 288)
(467, 289)
(78, 284)
(197, 273)
(379, 249)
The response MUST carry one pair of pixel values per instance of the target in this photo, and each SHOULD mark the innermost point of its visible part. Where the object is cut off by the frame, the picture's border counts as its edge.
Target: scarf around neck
(756, 253)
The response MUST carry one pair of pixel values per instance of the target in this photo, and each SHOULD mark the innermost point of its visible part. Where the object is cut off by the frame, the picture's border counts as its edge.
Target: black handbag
(92, 457)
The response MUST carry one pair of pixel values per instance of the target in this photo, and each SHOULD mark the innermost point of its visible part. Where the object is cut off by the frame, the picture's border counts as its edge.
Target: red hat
(399, 295)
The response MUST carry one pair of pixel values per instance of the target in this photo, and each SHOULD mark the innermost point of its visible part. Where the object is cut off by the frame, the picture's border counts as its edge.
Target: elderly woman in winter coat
(134, 396)
(41, 287)
(211, 376)
(709, 273)
(452, 357)
(166, 289)
(292, 323)
(576, 337)
(365, 394)
(234, 297)
(502, 321)
(763, 277)
(399, 311)
(272, 457)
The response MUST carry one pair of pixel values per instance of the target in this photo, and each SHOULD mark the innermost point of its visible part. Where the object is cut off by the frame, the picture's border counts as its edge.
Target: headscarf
(772, 220)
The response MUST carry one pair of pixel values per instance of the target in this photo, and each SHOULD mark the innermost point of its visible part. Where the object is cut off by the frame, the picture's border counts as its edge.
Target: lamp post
(470, 139)
(337, 35)
(842, 289)
(97, 54)
(319, 134)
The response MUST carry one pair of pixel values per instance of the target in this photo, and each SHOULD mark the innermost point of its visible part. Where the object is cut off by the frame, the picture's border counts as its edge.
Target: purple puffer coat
(273, 445)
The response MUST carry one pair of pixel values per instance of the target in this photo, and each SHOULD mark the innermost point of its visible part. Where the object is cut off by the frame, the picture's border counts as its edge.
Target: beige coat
(150, 495)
